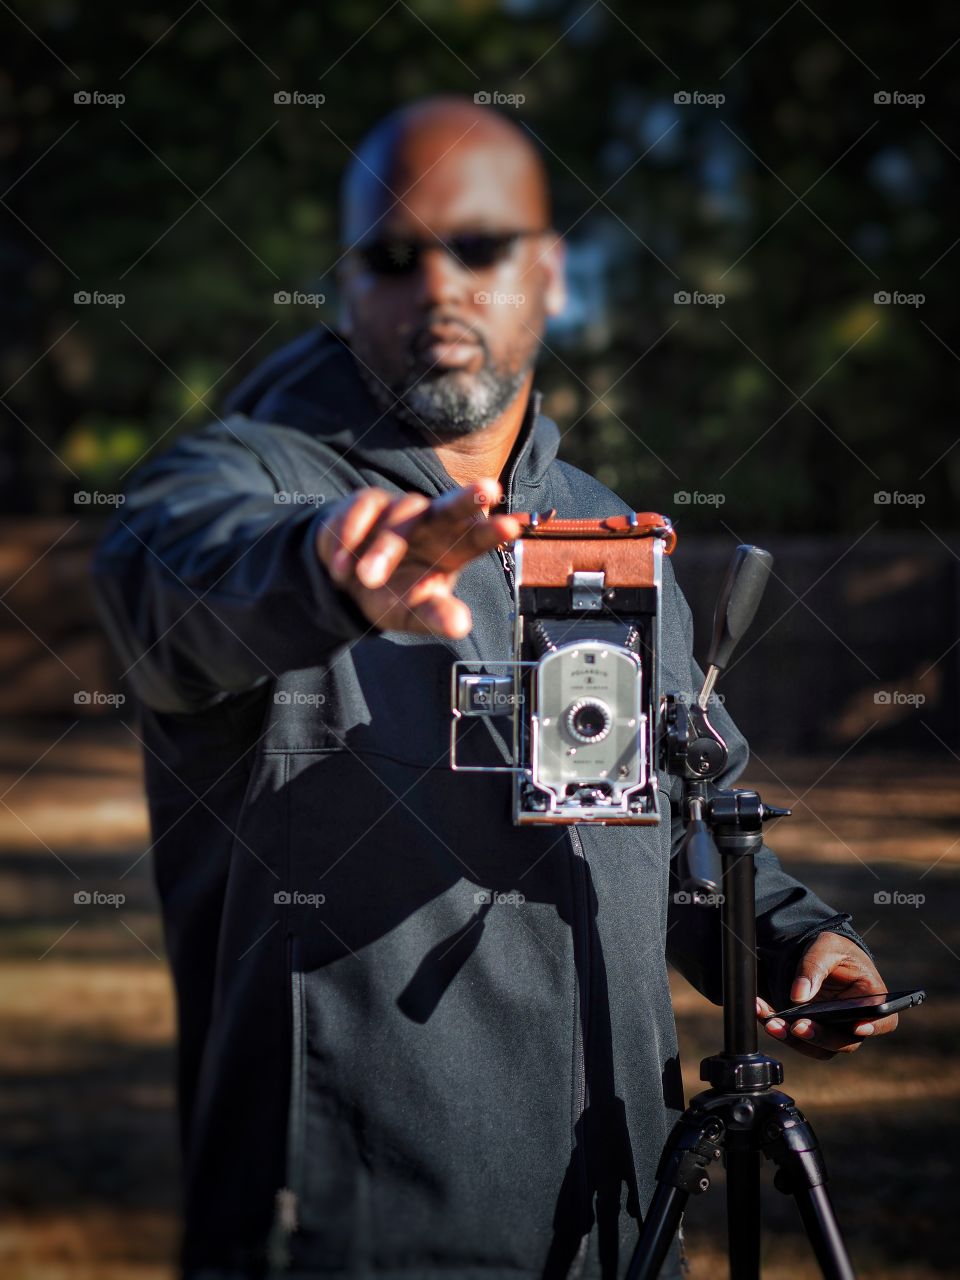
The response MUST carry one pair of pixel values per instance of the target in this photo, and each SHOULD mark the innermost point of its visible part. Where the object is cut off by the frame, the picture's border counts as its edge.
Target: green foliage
(200, 197)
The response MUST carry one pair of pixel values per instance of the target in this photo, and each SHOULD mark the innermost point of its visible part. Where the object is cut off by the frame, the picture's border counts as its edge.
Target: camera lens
(589, 720)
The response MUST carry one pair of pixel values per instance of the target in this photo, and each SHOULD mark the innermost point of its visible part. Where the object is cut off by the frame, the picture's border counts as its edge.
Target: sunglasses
(473, 250)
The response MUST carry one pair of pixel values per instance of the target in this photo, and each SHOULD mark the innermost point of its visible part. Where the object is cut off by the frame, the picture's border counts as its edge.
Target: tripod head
(693, 749)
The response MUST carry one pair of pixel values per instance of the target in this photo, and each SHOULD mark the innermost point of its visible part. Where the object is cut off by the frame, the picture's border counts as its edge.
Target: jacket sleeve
(789, 915)
(207, 579)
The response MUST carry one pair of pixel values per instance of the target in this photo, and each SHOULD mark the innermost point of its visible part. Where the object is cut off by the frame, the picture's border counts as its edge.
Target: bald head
(444, 160)
(451, 267)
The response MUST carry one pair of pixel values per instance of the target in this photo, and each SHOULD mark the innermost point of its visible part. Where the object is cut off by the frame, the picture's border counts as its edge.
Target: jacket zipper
(286, 1209)
(507, 558)
(509, 562)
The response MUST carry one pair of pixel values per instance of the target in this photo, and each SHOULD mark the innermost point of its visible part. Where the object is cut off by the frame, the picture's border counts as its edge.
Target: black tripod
(742, 1116)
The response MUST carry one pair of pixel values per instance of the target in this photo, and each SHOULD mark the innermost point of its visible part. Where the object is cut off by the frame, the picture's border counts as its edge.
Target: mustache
(424, 333)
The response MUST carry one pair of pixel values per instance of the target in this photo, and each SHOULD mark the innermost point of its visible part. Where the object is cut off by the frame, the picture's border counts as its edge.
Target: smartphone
(847, 1013)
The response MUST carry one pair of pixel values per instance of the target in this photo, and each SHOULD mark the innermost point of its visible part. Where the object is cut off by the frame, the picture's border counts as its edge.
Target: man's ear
(554, 262)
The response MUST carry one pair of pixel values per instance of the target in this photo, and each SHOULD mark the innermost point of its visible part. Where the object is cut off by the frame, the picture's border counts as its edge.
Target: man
(382, 1072)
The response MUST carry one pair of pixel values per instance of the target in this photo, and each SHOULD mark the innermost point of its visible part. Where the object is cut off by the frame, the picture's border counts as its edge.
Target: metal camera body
(583, 689)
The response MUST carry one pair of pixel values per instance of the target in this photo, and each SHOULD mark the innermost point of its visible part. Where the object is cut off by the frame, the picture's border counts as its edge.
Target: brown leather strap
(643, 524)
(620, 547)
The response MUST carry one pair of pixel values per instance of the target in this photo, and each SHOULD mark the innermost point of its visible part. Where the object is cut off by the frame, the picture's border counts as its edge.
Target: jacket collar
(315, 386)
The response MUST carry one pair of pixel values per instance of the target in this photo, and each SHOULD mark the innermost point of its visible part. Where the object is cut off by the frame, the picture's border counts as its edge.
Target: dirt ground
(89, 1173)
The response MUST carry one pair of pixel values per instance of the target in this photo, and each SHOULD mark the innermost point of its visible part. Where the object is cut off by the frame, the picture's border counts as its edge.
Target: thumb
(816, 963)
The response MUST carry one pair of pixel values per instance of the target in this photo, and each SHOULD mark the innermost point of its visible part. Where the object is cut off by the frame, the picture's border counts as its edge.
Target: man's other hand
(832, 968)
(398, 556)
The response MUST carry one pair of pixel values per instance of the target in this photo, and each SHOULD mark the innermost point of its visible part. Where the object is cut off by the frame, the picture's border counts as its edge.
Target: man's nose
(440, 278)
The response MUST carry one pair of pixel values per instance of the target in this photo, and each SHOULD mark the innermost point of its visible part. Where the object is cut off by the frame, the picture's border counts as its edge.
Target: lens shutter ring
(588, 720)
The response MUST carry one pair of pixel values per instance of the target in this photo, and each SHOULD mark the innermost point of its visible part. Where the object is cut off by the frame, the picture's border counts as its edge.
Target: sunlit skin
(453, 166)
(440, 167)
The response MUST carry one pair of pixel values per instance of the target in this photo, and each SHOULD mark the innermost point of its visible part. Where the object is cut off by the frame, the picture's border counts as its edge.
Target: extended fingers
(429, 607)
(371, 533)
(347, 528)
(446, 533)
(369, 536)
(482, 536)
(388, 542)
(442, 615)
(455, 530)
(469, 501)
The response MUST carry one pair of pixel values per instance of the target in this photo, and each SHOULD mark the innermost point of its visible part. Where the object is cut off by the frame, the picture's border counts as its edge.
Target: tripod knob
(772, 811)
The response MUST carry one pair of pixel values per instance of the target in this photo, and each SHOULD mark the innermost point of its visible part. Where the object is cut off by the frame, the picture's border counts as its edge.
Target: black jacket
(398, 1080)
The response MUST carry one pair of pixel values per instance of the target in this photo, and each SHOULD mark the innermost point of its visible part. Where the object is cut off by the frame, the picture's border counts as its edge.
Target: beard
(446, 404)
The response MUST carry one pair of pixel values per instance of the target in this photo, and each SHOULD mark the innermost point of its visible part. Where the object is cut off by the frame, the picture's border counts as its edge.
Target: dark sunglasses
(474, 250)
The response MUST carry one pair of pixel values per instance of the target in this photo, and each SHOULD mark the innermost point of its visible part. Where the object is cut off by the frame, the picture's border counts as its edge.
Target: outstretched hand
(398, 555)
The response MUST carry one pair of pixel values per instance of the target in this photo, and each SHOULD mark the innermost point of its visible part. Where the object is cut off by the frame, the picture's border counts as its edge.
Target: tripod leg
(818, 1217)
(680, 1174)
(659, 1227)
(743, 1212)
(793, 1148)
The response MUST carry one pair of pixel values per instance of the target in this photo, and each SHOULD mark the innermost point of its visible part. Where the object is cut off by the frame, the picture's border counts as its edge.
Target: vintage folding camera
(575, 711)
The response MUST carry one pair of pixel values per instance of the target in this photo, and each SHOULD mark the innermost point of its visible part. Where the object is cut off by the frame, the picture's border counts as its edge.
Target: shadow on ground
(89, 1175)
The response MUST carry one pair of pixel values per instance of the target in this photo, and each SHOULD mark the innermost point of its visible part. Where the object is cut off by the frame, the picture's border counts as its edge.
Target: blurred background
(760, 207)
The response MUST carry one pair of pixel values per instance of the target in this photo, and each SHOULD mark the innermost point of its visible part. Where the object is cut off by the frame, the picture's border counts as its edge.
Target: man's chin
(456, 403)
(438, 426)
(446, 404)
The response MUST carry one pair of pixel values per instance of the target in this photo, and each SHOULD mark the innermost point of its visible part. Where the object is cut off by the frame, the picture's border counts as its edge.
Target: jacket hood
(313, 384)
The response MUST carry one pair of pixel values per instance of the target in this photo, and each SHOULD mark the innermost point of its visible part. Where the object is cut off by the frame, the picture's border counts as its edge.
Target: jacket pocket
(316, 1214)
(289, 1196)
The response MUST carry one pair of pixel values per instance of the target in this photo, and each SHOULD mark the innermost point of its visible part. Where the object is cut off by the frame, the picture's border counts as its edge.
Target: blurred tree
(799, 197)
